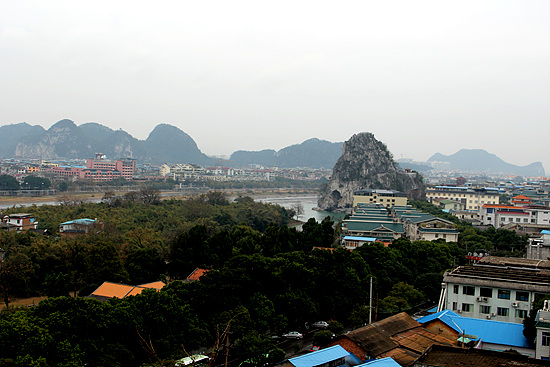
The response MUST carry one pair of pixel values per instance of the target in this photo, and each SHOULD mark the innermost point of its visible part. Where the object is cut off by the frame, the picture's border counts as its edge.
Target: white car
(293, 335)
(320, 324)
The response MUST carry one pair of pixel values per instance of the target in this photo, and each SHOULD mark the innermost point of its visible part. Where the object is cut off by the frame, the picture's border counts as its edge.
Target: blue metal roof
(85, 221)
(353, 238)
(320, 357)
(384, 362)
(489, 331)
(545, 231)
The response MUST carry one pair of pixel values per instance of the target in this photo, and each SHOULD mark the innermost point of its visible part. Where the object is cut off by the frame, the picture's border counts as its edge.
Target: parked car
(293, 335)
(320, 324)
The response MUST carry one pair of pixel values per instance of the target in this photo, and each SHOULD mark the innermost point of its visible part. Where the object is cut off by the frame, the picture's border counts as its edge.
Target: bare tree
(298, 210)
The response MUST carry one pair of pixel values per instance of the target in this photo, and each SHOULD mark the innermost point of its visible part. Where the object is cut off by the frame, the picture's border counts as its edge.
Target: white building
(542, 341)
(497, 288)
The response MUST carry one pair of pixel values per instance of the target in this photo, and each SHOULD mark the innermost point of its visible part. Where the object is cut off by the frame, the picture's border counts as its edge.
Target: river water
(308, 202)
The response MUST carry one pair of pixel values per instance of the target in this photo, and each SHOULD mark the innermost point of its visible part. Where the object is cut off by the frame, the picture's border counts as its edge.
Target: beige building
(388, 198)
(471, 198)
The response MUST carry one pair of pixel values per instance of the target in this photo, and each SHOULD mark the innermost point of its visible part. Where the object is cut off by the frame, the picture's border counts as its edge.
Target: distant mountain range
(482, 161)
(165, 144)
(169, 144)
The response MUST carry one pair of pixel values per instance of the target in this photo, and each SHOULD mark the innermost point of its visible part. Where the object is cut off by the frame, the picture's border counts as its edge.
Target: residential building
(80, 226)
(20, 222)
(443, 356)
(351, 242)
(115, 290)
(378, 222)
(542, 340)
(126, 166)
(388, 198)
(539, 248)
(334, 356)
(471, 198)
(485, 334)
(497, 288)
(399, 337)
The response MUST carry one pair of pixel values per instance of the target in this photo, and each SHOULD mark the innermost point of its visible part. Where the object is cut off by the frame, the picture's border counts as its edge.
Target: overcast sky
(423, 76)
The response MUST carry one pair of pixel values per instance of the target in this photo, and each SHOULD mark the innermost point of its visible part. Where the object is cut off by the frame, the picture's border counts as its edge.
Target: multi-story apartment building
(126, 167)
(471, 198)
(498, 288)
(388, 198)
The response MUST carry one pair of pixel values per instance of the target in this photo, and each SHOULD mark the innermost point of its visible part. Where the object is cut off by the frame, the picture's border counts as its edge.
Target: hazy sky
(423, 76)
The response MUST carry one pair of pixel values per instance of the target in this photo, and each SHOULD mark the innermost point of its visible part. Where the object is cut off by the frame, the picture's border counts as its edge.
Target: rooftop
(489, 331)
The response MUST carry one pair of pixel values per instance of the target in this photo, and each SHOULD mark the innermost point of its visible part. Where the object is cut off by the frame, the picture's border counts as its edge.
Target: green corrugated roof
(371, 226)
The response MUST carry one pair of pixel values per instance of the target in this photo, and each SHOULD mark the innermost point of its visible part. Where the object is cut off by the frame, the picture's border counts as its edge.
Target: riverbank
(16, 201)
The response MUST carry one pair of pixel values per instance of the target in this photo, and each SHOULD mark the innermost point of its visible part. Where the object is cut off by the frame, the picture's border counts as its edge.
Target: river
(308, 202)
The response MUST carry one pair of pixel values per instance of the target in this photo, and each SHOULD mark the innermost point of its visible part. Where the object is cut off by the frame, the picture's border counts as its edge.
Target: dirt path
(23, 302)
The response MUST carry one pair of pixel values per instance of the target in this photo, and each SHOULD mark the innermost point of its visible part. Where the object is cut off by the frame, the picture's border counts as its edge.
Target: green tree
(36, 183)
(8, 182)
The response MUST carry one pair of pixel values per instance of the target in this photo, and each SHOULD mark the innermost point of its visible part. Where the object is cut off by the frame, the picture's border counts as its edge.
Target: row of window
(486, 310)
(469, 290)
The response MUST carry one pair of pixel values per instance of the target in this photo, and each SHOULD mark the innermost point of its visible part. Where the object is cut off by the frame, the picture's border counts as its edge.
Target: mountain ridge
(483, 161)
(169, 144)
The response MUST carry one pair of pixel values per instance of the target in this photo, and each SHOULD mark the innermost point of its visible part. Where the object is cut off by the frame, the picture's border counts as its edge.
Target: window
(510, 219)
(502, 311)
(484, 309)
(455, 289)
(522, 296)
(502, 219)
(468, 290)
(518, 220)
(503, 294)
(455, 306)
(521, 314)
(486, 292)
(467, 307)
(545, 338)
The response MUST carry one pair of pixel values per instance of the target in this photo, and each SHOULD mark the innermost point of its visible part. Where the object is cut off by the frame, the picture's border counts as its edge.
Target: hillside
(482, 161)
(365, 163)
(312, 153)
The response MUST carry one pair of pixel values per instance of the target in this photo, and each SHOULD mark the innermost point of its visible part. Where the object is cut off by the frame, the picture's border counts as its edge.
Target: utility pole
(370, 302)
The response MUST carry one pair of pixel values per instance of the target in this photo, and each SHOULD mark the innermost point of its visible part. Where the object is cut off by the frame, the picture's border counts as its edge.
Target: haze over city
(424, 76)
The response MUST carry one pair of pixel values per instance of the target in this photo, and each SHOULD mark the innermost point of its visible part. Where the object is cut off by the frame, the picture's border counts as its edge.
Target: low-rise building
(20, 222)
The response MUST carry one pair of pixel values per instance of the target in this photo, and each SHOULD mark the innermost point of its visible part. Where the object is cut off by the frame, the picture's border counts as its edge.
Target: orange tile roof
(156, 285)
(112, 290)
(500, 206)
(108, 289)
(522, 197)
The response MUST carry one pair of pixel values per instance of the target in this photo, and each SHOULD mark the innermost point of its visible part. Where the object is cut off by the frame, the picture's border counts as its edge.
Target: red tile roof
(197, 273)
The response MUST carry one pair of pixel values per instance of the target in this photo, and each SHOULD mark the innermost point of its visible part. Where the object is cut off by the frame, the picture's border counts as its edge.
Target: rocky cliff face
(365, 163)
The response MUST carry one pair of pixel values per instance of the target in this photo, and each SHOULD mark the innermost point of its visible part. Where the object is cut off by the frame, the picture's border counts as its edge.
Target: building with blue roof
(384, 362)
(335, 356)
(488, 334)
(79, 226)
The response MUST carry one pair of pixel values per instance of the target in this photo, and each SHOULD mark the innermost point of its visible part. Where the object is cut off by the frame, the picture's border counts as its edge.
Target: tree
(298, 210)
(13, 273)
(8, 182)
(149, 195)
(36, 183)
